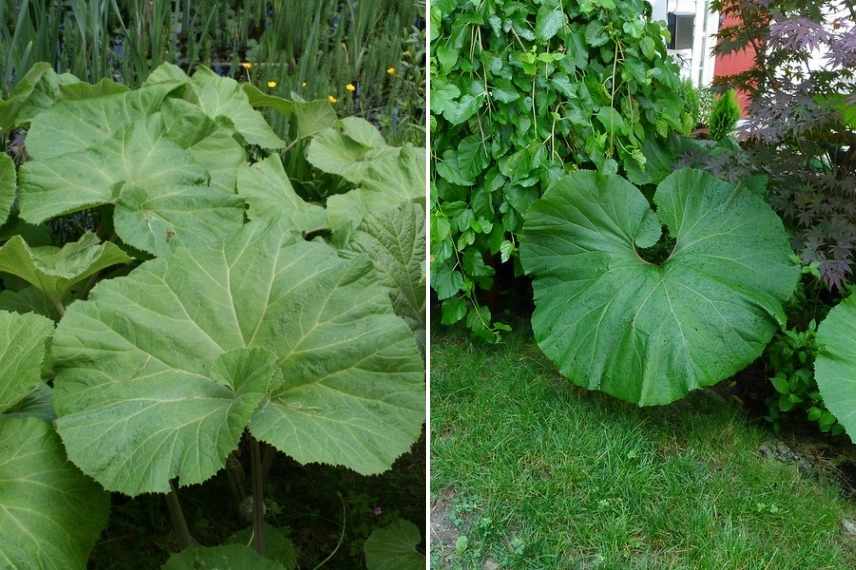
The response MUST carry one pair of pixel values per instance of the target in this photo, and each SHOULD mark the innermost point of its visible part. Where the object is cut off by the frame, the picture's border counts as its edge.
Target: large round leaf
(835, 366)
(51, 515)
(7, 186)
(139, 402)
(644, 332)
(53, 270)
(268, 192)
(394, 240)
(278, 544)
(394, 547)
(22, 350)
(35, 92)
(309, 117)
(349, 150)
(76, 124)
(223, 99)
(228, 557)
(385, 182)
(160, 192)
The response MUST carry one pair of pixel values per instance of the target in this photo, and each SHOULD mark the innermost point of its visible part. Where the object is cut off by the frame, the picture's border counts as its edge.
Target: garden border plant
(519, 90)
(189, 324)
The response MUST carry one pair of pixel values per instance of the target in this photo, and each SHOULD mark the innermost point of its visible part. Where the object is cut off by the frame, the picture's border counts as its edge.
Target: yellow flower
(304, 84)
(350, 88)
(331, 99)
(247, 65)
(271, 83)
(390, 71)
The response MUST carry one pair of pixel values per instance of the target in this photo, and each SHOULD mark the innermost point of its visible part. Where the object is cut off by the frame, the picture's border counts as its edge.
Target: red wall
(734, 63)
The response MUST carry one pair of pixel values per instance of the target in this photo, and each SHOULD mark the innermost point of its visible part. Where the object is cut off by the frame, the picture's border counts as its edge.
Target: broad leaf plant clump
(644, 330)
(208, 306)
(519, 92)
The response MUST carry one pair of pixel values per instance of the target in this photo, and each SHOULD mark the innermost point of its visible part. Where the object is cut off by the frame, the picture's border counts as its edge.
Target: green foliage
(51, 514)
(724, 116)
(706, 98)
(232, 556)
(278, 545)
(7, 187)
(520, 92)
(53, 271)
(393, 547)
(644, 332)
(791, 357)
(693, 102)
(186, 330)
(835, 367)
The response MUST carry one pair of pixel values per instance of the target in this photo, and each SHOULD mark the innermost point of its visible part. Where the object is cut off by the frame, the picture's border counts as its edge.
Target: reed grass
(312, 49)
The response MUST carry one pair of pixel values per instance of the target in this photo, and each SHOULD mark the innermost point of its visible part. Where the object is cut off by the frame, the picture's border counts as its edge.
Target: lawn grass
(529, 472)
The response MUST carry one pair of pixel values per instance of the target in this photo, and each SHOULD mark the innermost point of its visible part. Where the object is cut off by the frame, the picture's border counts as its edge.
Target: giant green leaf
(268, 192)
(158, 189)
(134, 430)
(37, 404)
(394, 547)
(644, 332)
(7, 186)
(835, 366)
(349, 150)
(227, 557)
(222, 98)
(394, 240)
(211, 145)
(166, 73)
(155, 221)
(278, 545)
(28, 300)
(22, 351)
(136, 392)
(311, 117)
(385, 183)
(51, 515)
(76, 124)
(35, 92)
(53, 270)
(136, 156)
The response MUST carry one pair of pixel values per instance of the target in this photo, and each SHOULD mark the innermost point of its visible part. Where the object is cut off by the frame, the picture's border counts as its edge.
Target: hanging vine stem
(341, 535)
